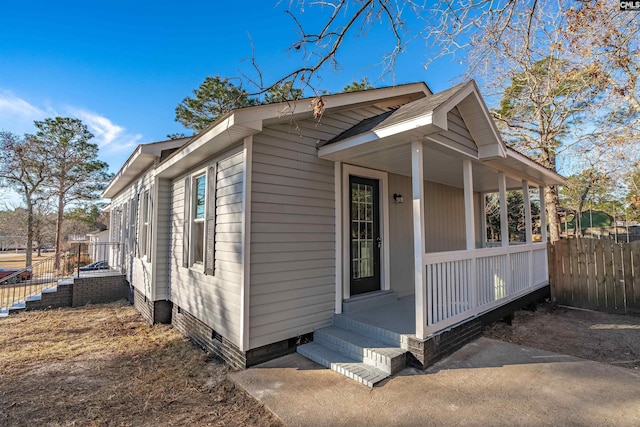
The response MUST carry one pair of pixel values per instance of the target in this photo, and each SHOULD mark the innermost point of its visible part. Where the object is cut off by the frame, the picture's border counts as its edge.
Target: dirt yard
(101, 365)
(607, 338)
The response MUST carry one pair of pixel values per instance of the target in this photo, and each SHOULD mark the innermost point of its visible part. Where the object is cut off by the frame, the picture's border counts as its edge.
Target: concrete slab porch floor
(487, 382)
(398, 316)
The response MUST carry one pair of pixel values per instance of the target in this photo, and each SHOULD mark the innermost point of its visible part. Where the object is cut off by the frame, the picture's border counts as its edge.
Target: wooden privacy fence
(596, 274)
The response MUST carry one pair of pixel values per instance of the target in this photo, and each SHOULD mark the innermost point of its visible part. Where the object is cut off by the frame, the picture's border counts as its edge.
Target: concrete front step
(343, 364)
(362, 348)
(391, 338)
(22, 305)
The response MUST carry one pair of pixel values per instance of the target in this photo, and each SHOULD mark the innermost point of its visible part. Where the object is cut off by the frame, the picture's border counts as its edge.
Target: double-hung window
(198, 209)
(144, 230)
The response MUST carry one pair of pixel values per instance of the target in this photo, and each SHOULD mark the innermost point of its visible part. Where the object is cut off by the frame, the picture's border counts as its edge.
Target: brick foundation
(205, 337)
(152, 311)
(424, 353)
(277, 349)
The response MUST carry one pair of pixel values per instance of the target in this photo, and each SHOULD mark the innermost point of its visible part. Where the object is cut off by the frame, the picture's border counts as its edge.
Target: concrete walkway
(486, 383)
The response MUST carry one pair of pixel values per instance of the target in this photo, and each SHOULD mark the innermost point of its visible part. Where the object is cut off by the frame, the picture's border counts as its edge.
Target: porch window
(199, 191)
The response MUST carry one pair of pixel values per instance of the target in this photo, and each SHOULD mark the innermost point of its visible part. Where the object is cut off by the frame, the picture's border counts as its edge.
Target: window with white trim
(198, 216)
(144, 229)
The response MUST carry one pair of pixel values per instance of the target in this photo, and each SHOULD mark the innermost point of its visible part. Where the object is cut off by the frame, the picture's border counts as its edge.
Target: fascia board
(554, 176)
(367, 137)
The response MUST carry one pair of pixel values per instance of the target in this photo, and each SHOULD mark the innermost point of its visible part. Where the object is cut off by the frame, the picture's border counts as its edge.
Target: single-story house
(355, 233)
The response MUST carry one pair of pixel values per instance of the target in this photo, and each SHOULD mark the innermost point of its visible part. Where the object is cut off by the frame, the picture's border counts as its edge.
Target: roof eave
(554, 177)
(223, 134)
(112, 188)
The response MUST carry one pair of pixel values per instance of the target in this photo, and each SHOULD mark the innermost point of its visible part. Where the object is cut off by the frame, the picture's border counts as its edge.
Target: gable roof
(429, 113)
(241, 123)
(410, 112)
(398, 115)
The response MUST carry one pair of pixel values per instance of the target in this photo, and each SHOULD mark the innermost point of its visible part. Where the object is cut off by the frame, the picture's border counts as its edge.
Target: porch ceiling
(440, 165)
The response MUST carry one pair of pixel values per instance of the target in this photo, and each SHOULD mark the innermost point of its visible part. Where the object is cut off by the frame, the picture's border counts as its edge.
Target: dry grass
(17, 260)
(101, 365)
(603, 337)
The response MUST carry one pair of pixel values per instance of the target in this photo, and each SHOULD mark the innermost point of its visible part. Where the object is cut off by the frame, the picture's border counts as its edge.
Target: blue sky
(123, 66)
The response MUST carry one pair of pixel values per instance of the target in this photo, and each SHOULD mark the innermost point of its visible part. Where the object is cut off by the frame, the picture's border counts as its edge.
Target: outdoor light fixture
(398, 198)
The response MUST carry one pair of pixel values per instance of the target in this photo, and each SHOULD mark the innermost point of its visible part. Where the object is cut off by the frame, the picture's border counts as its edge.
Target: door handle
(379, 240)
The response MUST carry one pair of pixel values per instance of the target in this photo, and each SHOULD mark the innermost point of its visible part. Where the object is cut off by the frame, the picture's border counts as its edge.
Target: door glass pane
(362, 220)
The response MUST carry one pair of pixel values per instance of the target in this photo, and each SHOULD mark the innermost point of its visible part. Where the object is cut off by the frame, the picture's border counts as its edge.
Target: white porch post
(527, 211)
(504, 235)
(504, 220)
(469, 219)
(483, 219)
(528, 233)
(417, 185)
(543, 226)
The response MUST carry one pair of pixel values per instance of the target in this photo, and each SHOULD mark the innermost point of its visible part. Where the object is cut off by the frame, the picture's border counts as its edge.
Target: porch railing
(462, 284)
(92, 258)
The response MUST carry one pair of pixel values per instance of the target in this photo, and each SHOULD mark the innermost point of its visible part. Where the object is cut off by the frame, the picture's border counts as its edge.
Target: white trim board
(245, 279)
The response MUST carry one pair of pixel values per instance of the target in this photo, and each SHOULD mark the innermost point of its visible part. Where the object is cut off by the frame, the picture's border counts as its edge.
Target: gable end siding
(458, 135)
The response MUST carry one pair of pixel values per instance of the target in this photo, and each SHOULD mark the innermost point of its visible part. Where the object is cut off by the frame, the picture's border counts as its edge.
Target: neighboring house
(99, 248)
(271, 225)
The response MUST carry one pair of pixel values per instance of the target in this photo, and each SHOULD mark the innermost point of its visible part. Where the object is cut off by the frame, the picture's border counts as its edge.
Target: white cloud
(116, 143)
(11, 104)
(110, 137)
(17, 115)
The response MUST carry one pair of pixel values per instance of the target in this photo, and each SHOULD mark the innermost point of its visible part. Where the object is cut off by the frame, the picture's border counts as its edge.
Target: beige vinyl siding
(214, 299)
(444, 226)
(161, 247)
(292, 232)
(401, 236)
(142, 278)
(444, 218)
(458, 135)
(138, 271)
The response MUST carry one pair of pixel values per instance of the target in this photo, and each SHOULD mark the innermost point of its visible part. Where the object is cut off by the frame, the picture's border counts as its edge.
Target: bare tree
(451, 26)
(44, 224)
(582, 186)
(24, 167)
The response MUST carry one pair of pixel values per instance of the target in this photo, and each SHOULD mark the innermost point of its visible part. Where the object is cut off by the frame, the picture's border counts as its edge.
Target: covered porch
(436, 160)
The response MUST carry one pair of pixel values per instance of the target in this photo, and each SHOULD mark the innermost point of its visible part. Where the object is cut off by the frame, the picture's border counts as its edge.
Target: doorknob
(379, 240)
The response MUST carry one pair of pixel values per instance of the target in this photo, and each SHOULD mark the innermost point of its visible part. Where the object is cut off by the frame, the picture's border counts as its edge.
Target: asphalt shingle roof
(398, 115)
